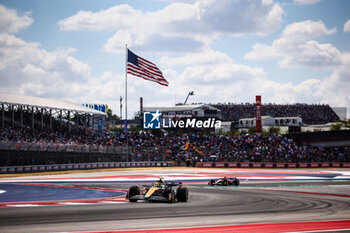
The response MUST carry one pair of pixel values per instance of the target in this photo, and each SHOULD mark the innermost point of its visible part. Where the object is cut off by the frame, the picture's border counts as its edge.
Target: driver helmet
(160, 182)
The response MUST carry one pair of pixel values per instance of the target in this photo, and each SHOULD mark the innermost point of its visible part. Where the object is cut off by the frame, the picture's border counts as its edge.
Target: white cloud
(179, 26)
(116, 43)
(295, 48)
(306, 30)
(306, 2)
(240, 84)
(114, 18)
(347, 26)
(45, 74)
(208, 57)
(334, 89)
(27, 69)
(11, 22)
(170, 44)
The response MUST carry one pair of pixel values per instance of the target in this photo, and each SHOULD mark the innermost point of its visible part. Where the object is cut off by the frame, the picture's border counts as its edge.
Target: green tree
(111, 116)
(274, 130)
(252, 130)
(336, 126)
(347, 123)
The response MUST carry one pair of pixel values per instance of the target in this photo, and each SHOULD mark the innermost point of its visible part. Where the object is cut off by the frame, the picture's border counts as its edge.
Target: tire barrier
(272, 165)
(84, 166)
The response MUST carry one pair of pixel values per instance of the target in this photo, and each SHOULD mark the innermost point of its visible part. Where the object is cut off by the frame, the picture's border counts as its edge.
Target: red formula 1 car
(224, 181)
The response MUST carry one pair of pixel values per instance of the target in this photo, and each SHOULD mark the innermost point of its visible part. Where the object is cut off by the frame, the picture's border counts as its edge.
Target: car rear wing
(173, 183)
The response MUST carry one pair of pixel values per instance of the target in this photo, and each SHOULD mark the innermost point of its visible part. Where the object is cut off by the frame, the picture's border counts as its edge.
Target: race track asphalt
(207, 206)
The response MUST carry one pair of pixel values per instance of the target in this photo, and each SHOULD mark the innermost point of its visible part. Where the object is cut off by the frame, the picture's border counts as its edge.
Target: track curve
(207, 206)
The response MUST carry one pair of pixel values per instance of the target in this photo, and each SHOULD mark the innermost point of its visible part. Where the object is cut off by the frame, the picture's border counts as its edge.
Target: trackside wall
(272, 165)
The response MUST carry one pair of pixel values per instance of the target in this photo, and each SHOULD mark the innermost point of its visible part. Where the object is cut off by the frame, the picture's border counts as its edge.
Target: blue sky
(295, 51)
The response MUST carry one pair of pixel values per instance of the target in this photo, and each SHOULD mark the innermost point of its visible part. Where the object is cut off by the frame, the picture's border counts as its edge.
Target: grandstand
(309, 113)
(42, 113)
(39, 132)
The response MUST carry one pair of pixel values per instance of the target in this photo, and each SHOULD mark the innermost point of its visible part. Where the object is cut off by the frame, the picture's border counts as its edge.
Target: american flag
(142, 68)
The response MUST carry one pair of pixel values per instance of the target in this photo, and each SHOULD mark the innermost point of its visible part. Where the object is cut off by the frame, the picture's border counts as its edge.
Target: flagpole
(126, 104)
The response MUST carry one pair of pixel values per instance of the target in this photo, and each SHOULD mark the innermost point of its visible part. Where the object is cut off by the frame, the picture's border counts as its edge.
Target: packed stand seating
(310, 113)
(148, 147)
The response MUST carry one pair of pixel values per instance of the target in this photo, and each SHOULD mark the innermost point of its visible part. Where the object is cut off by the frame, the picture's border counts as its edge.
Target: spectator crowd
(311, 114)
(196, 147)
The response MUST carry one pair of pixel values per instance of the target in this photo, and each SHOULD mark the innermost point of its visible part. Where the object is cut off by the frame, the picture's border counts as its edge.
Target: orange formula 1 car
(159, 191)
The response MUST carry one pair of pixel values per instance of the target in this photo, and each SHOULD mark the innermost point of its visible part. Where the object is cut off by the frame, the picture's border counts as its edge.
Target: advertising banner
(4, 170)
(232, 164)
(244, 164)
(335, 164)
(256, 164)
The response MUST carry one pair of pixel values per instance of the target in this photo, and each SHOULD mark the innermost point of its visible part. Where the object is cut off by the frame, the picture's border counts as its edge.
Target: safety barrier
(271, 165)
(82, 166)
(28, 154)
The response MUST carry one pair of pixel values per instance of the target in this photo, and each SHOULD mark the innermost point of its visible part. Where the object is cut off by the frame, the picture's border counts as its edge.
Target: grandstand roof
(45, 103)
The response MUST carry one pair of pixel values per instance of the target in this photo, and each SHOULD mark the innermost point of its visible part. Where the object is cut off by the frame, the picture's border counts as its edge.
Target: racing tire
(212, 182)
(236, 182)
(182, 194)
(133, 190)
